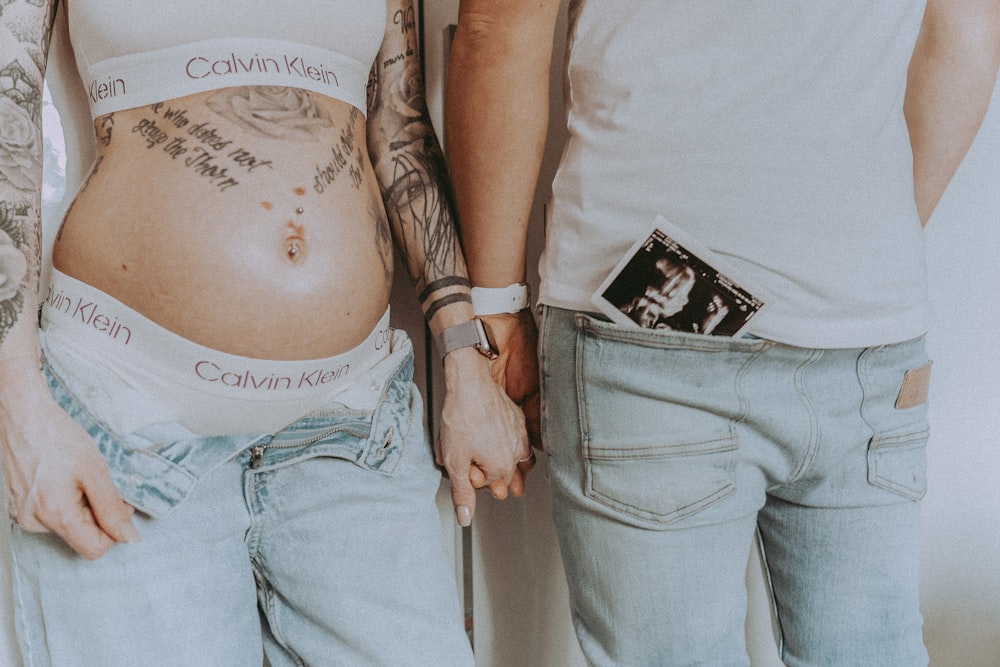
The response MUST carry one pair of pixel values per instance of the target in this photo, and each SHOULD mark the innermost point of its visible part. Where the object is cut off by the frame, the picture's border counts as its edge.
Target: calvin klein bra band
(139, 79)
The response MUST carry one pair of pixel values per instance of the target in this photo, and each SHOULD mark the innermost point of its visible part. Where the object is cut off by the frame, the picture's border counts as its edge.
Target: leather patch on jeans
(916, 383)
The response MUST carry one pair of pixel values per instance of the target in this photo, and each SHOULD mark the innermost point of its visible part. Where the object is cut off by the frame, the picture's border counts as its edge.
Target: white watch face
(485, 345)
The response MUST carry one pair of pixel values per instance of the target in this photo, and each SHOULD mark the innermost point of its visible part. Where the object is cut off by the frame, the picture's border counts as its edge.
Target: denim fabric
(667, 451)
(322, 542)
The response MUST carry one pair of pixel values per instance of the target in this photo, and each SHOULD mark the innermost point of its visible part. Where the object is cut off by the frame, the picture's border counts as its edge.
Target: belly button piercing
(295, 240)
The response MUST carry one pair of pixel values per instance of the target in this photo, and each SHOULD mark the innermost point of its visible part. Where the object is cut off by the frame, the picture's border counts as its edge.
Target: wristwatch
(473, 333)
(494, 300)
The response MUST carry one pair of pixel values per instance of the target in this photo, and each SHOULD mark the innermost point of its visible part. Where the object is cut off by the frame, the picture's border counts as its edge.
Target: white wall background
(961, 545)
(518, 596)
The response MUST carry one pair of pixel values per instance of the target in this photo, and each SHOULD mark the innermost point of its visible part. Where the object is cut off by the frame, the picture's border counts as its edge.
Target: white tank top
(771, 132)
(133, 53)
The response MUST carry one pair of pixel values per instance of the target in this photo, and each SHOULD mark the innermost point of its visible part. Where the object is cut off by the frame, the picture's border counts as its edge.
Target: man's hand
(516, 369)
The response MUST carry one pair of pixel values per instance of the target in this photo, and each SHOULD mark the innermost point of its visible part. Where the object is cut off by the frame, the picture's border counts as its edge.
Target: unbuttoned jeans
(668, 450)
(322, 542)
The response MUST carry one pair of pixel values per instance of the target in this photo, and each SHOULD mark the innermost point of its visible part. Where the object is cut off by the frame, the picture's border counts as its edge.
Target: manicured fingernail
(129, 533)
(464, 515)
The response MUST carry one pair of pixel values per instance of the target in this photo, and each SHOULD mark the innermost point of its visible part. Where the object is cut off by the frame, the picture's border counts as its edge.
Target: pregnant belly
(265, 279)
(263, 239)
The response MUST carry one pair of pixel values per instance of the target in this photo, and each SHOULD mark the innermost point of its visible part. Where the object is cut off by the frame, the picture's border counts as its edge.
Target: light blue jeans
(668, 450)
(322, 542)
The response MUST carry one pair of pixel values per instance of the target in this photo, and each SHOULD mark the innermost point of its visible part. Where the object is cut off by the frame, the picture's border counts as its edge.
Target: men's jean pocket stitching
(660, 451)
(680, 494)
(667, 339)
(897, 463)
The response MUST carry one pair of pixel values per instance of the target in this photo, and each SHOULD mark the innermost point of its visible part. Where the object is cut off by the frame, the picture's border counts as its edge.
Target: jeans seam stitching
(814, 426)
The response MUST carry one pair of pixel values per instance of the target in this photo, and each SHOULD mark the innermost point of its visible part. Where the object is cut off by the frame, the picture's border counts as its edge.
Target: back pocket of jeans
(662, 482)
(658, 415)
(898, 463)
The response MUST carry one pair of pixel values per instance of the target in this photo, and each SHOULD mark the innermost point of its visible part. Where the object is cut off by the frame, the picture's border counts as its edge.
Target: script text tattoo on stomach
(198, 146)
(346, 155)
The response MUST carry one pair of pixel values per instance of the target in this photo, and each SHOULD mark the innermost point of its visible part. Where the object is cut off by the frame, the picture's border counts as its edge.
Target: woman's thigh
(352, 563)
(184, 595)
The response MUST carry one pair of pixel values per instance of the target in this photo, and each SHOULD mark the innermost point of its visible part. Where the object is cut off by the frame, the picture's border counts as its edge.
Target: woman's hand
(482, 437)
(57, 480)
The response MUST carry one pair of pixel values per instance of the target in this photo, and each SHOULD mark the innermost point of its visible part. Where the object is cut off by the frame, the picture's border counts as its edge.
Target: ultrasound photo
(663, 283)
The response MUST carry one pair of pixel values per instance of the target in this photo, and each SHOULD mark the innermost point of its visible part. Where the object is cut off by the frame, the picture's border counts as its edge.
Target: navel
(295, 239)
(293, 234)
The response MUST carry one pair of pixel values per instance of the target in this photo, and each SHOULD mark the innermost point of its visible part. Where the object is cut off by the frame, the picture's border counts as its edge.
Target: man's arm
(951, 80)
(482, 432)
(497, 114)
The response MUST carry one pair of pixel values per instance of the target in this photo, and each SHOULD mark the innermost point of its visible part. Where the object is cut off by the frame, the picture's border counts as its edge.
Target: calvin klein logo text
(201, 67)
(102, 90)
(89, 314)
(210, 371)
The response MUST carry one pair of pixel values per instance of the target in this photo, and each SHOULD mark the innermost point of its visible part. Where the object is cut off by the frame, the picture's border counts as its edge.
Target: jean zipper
(257, 451)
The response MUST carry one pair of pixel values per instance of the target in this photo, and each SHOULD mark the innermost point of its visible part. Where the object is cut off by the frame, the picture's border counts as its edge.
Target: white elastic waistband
(139, 79)
(138, 377)
(88, 319)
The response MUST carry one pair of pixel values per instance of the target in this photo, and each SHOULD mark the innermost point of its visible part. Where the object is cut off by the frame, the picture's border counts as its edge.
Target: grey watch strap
(466, 334)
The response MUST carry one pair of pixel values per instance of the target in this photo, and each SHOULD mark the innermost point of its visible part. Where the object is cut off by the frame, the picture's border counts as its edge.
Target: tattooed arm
(482, 432)
(55, 476)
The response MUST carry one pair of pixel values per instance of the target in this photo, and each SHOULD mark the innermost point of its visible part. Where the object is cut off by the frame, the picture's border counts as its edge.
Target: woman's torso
(248, 218)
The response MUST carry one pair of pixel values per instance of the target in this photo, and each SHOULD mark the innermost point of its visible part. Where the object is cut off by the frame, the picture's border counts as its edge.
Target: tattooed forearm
(419, 199)
(410, 167)
(13, 265)
(383, 238)
(447, 300)
(442, 283)
(25, 30)
(444, 292)
(432, 301)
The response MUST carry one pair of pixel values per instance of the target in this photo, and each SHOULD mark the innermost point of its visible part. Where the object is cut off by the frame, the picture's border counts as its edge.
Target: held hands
(485, 423)
(516, 369)
(482, 437)
(57, 480)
